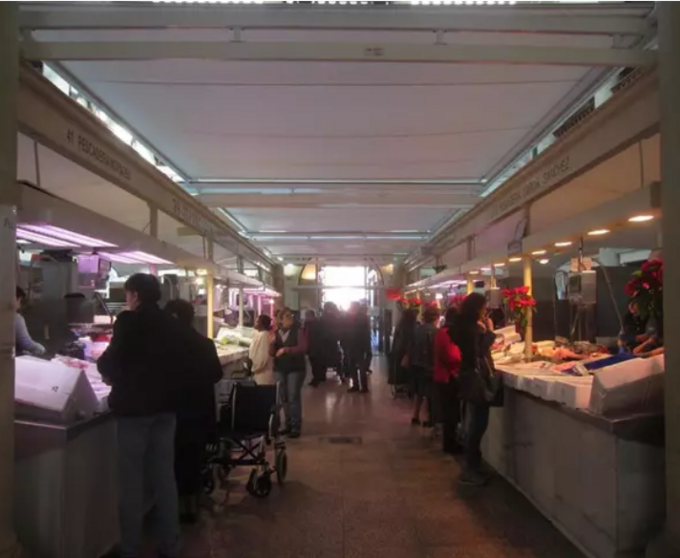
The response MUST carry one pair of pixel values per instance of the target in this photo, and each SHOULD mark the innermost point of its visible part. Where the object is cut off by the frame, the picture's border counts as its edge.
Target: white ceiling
(341, 121)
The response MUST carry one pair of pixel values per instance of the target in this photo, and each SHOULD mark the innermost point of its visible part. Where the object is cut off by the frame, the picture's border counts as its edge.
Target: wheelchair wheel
(259, 486)
(281, 464)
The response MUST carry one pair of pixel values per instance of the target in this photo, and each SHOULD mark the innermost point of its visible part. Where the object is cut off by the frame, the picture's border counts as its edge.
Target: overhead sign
(543, 180)
(630, 115)
(46, 116)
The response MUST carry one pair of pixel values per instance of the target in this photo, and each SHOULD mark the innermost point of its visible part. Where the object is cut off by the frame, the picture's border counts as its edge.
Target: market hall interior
(254, 156)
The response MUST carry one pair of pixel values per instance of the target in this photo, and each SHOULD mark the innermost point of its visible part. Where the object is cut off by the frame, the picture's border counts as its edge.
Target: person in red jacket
(447, 360)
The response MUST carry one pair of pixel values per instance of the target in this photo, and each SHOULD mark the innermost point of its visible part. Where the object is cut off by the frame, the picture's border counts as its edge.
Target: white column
(529, 332)
(669, 67)
(9, 82)
(240, 307)
(210, 304)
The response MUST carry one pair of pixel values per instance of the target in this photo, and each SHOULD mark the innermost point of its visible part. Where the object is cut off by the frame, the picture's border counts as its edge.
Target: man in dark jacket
(196, 414)
(359, 348)
(145, 364)
(316, 347)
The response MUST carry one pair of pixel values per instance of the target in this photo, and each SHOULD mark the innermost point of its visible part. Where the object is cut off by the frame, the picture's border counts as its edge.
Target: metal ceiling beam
(340, 200)
(334, 52)
(219, 186)
(593, 21)
(338, 235)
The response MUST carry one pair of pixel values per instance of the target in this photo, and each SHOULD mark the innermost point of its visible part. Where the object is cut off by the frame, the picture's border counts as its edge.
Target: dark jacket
(403, 337)
(478, 380)
(421, 350)
(296, 346)
(198, 395)
(146, 363)
(358, 338)
(316, 338)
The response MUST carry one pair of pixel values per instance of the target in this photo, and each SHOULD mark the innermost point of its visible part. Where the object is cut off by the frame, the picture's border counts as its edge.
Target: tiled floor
(393, 496)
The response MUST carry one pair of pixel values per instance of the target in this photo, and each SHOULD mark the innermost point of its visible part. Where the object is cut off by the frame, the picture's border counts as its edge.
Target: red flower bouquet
(519, 303)
(646, 288)
(457, 300)
(410, 304)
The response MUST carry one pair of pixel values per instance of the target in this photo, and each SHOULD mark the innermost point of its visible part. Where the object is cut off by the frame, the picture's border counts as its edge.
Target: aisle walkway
(365, 484)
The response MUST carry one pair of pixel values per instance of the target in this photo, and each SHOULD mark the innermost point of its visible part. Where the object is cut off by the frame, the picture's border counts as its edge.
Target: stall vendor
(24, 342)
(634, 331)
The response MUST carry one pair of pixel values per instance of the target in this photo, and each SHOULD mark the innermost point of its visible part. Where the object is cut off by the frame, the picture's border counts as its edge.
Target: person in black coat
(196, 413)
(146, 365)
(473, 333)
(316, 347)
(358, 346)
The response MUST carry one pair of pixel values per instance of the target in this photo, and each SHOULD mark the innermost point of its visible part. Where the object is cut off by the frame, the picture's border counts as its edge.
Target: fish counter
(583, 441)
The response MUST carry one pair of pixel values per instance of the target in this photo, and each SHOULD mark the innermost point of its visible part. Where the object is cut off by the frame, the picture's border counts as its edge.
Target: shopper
(196, 415)
(288, 349)
(400, 373)
(316, 347)
(359, 348)
(330, 326)
(23, 340)
(421, 357)
(261, 360)
(446, 366)
(146, 365)
(479, 385)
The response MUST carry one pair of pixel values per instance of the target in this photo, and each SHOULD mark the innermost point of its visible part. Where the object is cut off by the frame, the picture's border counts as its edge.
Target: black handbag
(481, 383)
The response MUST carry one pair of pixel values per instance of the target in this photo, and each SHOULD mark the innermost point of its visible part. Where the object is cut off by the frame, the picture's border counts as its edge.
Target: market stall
(65, 438)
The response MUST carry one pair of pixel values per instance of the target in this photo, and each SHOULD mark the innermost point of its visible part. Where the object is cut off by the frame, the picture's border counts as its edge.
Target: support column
(470, 284)
(240, 307)
(153, 221)
(529, 333)
(9, 83)
(210, 304)
(669, 69)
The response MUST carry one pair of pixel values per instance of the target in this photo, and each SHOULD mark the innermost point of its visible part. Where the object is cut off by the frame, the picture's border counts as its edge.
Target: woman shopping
(480, 386)
(288, 348)
(446, 367)
(259, 354)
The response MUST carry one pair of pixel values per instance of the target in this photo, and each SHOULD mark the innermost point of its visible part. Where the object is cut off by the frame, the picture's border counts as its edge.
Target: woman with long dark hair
(479, 385)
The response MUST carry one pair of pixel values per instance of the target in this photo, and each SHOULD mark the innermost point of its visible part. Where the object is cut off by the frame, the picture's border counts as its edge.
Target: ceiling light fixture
(598, 232)
(543, 261)
(44, 240)
(68, 236)
(502, 264)
(515, 260)
(538, 253)
(474, 272)
(641, 218)
(563, 244)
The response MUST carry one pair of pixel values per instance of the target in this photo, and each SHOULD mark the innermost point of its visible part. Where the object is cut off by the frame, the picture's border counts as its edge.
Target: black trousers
(191, 437)
(358, 373)
(319, 367)
(449, 405)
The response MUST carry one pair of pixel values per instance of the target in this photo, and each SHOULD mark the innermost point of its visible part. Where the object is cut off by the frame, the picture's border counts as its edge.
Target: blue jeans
(146, 456)
(477, 418)
(290, 386)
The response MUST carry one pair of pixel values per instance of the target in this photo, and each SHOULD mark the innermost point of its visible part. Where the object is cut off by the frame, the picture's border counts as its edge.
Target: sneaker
(314, 383)
(415, 422)
(472, 478)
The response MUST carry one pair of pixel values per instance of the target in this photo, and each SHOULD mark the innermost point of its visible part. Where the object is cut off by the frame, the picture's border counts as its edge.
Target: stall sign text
(533, 187)
(189, 216)
(86, 146)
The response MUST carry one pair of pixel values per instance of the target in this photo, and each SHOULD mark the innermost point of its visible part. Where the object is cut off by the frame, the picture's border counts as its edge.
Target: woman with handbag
(480, 386)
